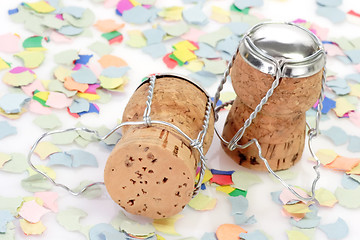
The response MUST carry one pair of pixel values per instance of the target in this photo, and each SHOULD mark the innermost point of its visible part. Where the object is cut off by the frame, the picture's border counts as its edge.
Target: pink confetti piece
(32, 212)
(124, 5)
(10, 43)
(110, 3)
(286, 196)
(333, 50)
(96, 68)
(59, 38)
(58, 100)
(321, 33)
(20, 70)
(355, 118)
(30, 88)
(357, 67)
(92, 88)
(193, 35)
(36, 107)
(49, 199)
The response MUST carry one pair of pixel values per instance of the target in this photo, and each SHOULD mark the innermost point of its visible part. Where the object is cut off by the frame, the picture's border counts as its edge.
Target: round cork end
(145, 178)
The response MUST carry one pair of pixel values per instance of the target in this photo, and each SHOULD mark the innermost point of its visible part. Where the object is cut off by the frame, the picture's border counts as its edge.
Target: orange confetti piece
(229, 232)
(108, 25)
(111, 61)
(71, 85)
(343, 163)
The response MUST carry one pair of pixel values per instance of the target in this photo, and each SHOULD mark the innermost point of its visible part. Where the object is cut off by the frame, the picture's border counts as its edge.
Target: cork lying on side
(151, 171)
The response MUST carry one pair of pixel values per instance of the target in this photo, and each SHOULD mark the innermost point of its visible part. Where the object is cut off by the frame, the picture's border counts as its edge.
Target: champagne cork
(151, 171)
(280, 126)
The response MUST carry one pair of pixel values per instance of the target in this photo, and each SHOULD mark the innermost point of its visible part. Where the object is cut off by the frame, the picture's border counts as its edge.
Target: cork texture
(280, 125)
(151, 171)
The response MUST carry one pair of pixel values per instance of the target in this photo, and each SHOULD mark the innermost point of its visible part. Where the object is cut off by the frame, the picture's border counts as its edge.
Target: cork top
(271, 42)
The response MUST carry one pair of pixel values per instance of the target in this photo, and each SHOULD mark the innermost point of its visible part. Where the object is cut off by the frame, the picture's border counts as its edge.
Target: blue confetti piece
(238, 28)
(82, 158)
(84, 75)
(329, 3)
(195, 15)
(339, 86)
(204, 78)
(118, 12)
(241, 4)
(5, 218)
(354, 77)
(206, 51)
(114, 72)
(306, 223)
(337, 135)
(354, 55)
(242, 219)
(76, 12)
(13, 11)
(154, 35)
(203, 186)
(13, 102)
(6, 129)
(221, 172)
(92, 109)
(79, 105)
(337, 230)
(60, 158)
(103, 231)
(344, 59)
(218, 103)
(255, 235)
(333, 14)
(156, 50)
(348, 182)
(209, 236)
(228, 45)
(328, 104)
(69, 30)
(137, 15)
(275, 196)
(239, 205)
(354, 144)
(83, 59)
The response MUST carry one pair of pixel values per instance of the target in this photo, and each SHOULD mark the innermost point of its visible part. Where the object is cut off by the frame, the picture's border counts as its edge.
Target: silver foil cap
(299, 49)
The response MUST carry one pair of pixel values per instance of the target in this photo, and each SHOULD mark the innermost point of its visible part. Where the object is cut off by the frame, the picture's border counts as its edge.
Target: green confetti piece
(36, 183)
(172, 56)
(238, 192)
(110, 35)
(33, 42)
(47, 122)
(235, 9)
(17, 164)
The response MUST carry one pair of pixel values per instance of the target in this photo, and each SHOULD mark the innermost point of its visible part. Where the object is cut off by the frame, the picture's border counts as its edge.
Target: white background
(102, 210)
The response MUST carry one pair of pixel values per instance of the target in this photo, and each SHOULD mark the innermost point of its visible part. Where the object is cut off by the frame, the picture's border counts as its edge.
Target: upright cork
(280, 125)
(151, 171)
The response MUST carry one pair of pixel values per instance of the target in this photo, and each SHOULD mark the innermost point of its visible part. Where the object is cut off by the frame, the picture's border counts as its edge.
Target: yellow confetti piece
(325, 156)
(225, 189)
(220, 15)
(134, 2)
(343, 106)
(207, 176)
(297, 208)
(88, 96)
(325, 197)
(296, 235)
(61, 73)
(355, 90)
(202, 202)
(171, 13)
(42, 95)
(4, 158)
(41, 7)
(184, 55)
(3, 64)
(136, 39)
(18, 79)
(50, 172)
(44, 149)
(167, 225)
(31, 59)
(32, 228)
(37, 200)
(194, 65)
(12, 116)
(185, 45)
(355, 170)
(111, 83)
(158, 237)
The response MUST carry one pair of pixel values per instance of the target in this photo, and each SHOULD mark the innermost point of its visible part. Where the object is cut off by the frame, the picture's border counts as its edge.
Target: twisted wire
(147, 111)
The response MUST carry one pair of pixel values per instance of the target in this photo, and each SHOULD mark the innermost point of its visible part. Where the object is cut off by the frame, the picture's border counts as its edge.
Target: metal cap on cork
(300, 51)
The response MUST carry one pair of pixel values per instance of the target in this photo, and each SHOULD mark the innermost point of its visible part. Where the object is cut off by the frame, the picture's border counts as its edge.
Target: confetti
(13, 102)
(64, 137)
(66, 57)
(255, 235)
(32, 212)
(70, 218)
(105, 231)
(243, 180)
(44, 149)
(348, 198)
(202, 202)
(239, 205)
(60, 158)
(17, 164)
(343, 163)
(167, 225)
(195, 16)
(36, 183)
(241, 4)
(334, 14)
(19, 76)
(5, 218)
(6, 129)
(337, 135)
(137, 15)
(296, 235)
(214, 37)
(82, 158)
(242, 219)
(348, 182)
(32, 228)
(229, 232)
(49, 199)
(47, 122)
(176, 29)
(101, 48)
(10, 43)
(221, 179)
(209, 236)
(325, 197)
(337, 230)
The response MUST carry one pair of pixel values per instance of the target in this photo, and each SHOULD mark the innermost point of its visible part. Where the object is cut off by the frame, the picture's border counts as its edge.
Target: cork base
(281, 138)
(152, 177)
